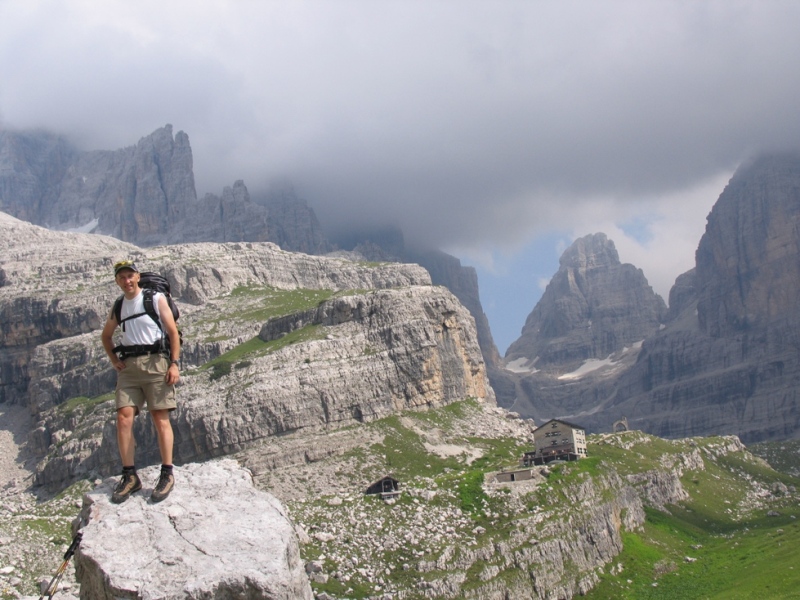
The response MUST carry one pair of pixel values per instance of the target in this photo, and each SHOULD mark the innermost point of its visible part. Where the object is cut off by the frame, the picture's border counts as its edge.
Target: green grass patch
(241, 356)
(405, 452)
(704, 548)
(471, 496)
(275, 303)
(83, 404)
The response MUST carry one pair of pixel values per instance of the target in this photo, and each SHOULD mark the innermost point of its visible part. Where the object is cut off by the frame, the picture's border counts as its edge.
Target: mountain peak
(593, 306)
(593, 250)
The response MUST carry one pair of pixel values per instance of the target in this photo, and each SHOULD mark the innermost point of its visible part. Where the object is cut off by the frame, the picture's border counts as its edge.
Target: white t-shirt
(143, 330)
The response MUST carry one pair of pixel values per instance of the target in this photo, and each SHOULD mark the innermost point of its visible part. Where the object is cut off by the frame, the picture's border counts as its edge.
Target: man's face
(127, 280)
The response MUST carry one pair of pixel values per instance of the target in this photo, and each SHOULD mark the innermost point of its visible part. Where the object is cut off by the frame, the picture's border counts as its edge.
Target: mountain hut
(557, 440)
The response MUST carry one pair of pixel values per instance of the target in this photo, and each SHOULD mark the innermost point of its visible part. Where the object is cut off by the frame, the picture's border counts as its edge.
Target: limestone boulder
(215, 536)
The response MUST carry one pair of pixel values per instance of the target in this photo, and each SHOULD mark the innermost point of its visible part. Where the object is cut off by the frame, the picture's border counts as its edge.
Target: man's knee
(161, 419)
(125, 417)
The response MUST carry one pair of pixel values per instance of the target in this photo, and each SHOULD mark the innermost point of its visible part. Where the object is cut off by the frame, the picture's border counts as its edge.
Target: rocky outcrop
(292, 224)
(32, 166)
(135, 194)
(747, 260)
(230, 218)
(215, 536)
(311, 342)
(446, 270)
(367, 356)
(50, 291)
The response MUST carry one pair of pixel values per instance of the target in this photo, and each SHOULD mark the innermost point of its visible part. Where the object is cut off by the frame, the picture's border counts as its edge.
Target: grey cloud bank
(474, 125)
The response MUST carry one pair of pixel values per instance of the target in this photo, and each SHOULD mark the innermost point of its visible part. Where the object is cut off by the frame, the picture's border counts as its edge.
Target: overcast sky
(499, 131)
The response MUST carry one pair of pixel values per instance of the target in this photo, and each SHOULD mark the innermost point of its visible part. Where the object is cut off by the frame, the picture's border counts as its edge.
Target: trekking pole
(53, 587)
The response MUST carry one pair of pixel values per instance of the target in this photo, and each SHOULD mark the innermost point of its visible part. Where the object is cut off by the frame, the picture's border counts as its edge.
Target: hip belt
(140, 350)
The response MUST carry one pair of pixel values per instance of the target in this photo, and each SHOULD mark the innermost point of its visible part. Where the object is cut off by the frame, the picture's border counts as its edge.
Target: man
(147, 372)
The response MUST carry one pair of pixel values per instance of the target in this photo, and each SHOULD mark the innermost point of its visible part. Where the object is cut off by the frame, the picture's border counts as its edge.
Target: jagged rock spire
(593, 306)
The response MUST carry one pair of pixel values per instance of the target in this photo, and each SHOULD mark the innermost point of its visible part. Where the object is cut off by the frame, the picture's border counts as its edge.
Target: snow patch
(593, 364)
(521, 365)
(588, 366)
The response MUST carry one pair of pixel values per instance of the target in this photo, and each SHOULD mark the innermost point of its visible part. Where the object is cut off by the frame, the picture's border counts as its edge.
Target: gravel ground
(25, 550)
(16, 467)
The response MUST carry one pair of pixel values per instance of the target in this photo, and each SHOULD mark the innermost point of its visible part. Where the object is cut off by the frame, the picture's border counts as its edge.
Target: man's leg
(129, 482)
(166, 480)
(125, 441)
(164, 433)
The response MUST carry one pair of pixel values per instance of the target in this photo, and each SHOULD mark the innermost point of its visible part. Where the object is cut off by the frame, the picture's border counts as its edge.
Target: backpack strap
(149, 310)
(117, 310)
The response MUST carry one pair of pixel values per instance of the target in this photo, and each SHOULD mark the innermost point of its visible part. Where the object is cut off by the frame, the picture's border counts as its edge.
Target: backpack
(151, 283)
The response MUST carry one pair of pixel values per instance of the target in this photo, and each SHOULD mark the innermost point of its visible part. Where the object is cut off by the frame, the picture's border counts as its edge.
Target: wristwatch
(175, 362)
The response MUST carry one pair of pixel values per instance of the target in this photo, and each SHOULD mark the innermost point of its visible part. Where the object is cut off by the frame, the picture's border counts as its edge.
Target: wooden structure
(387, 487)
(557, 440)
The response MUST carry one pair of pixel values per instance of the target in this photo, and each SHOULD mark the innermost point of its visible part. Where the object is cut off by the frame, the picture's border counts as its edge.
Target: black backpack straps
(149, 310)
(149, 307)
(117, 310)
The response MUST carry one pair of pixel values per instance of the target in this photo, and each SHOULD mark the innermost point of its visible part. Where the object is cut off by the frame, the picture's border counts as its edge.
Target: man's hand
(117, 364)
(173, 374)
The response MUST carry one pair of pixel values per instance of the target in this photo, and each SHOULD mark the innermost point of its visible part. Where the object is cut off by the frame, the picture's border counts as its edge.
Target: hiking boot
(166, 482)
(128, 484)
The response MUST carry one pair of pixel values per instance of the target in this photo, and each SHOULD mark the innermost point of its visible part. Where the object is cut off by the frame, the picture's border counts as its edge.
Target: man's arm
(108, 342)
(171, 328)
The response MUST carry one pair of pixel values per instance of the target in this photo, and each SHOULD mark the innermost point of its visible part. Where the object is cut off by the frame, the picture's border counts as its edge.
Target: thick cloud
(469, 124)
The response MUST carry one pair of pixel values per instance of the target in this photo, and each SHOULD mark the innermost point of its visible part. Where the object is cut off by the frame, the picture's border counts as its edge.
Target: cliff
(727, 362)
(724, 362)
(274, 342)
(389, 245)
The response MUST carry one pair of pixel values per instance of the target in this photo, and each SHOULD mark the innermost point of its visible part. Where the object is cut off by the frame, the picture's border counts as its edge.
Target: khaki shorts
(142, 381)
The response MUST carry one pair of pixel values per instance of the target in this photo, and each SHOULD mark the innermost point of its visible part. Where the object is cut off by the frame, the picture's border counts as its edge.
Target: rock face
(594, 306)
(31, 167)
(215, 536)
(301, 341)
(726, 360)
(135, 194)
(144, 194)
(462, 280)
(446, 270)
(593, 315)
(747, 260)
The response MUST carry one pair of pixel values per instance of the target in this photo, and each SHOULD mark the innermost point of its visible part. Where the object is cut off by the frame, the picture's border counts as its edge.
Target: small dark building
(387, 487)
